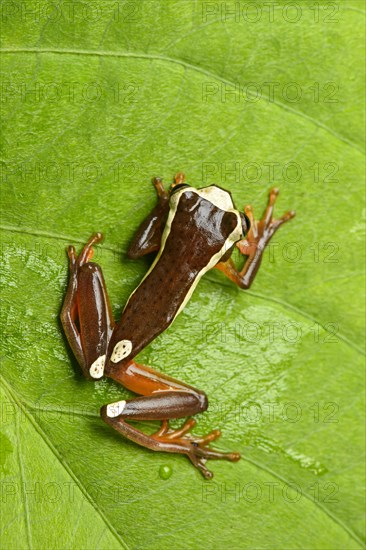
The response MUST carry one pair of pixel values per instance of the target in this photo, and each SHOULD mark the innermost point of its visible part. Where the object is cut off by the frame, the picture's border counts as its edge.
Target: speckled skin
(198, 232)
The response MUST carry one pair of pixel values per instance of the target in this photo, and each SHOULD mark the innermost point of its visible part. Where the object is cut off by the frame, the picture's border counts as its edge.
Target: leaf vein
(186, 65)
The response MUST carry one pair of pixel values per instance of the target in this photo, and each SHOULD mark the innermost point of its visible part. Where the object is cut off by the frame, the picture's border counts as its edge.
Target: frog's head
(215, 195)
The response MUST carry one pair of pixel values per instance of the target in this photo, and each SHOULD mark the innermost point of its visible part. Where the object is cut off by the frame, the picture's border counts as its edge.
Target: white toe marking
(115, 409)
(97, 368)
(121, 350)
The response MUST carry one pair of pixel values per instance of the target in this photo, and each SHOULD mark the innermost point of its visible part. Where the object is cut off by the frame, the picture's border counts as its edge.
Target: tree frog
(191, 231)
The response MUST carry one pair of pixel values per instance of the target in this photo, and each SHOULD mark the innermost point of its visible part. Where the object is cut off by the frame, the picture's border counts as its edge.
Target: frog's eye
(245, 223)
(229, 223)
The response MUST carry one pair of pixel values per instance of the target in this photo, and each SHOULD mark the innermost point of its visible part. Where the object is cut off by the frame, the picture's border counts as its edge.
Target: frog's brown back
(196, 238)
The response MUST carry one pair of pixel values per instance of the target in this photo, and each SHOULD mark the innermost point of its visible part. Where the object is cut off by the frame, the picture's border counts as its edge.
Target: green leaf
(98, 98)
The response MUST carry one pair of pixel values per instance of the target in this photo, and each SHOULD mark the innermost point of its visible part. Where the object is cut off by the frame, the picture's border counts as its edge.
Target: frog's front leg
(148, 236)
(255, 242)
(163, 398)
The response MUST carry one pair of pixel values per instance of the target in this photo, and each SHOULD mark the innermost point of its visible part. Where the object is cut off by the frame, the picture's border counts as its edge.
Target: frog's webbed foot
(162, 193)
(85, 255)
(254, 243)
(195, 447)
(262, 231)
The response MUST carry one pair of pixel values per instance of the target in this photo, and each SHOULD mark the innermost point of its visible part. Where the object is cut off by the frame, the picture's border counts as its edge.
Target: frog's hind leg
(163, 398)
(86, 313)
